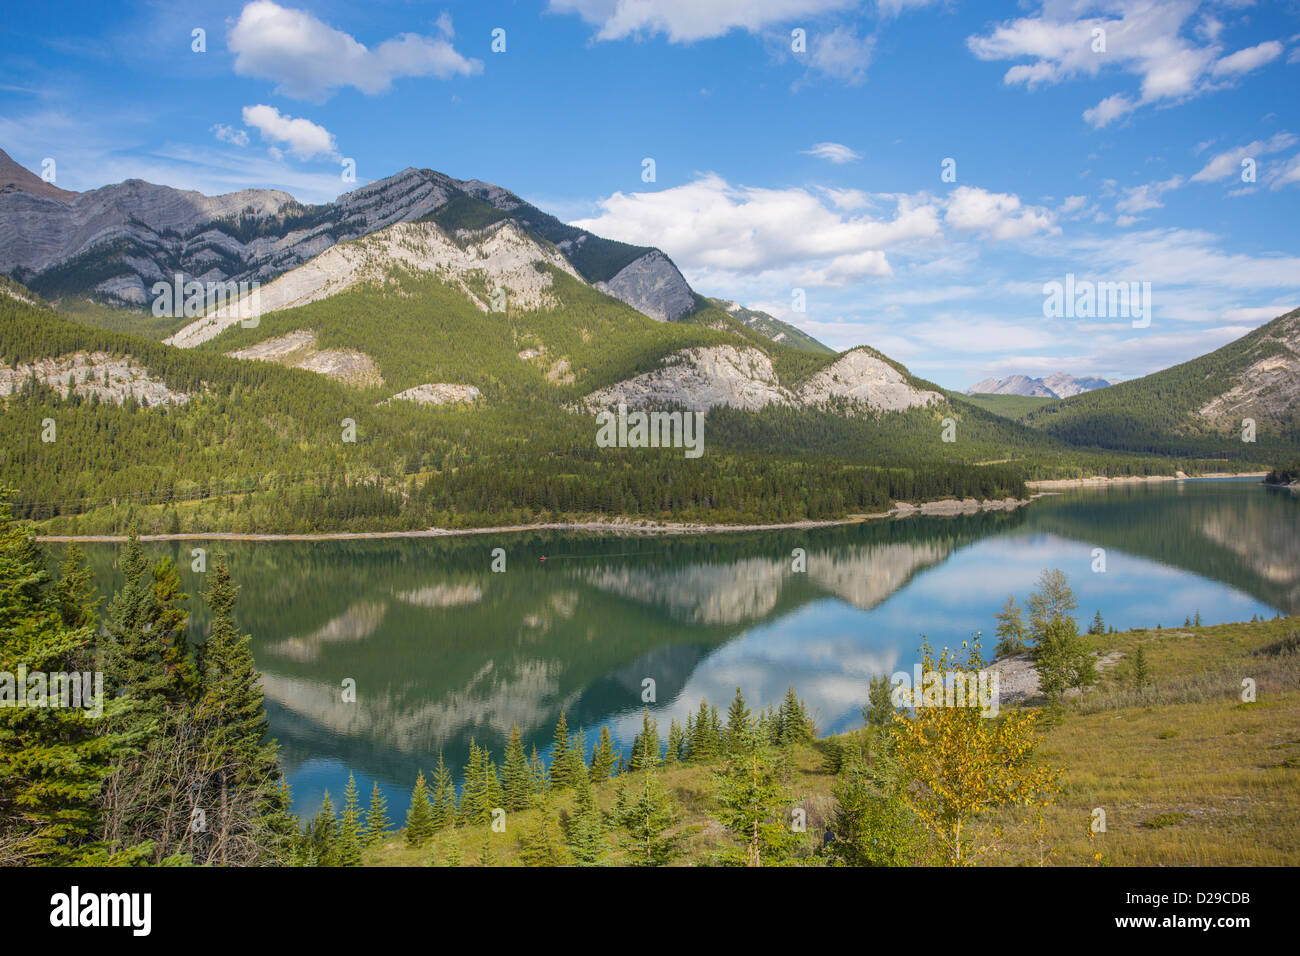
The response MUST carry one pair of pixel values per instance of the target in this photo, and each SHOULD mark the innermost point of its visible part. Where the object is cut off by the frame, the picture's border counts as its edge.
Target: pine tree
(538, 770)
(143, 652)
(585, 833)
(52, 761)
(577, 764)
(676, 743)
(646, 751)
(473, 792)
(1098, 626)
(75, 590)
(1141, 669)
(419, 816)
(377, 822)
(542, 841)
(516, 778)
(792, 720)
(739, 724)
(602, 757)
(486, 855)
(232, 695)
(349, 843)
(444, 810)
(324, 833)
(702, 743)
(561, 766)
(647, 820)
(753, 804)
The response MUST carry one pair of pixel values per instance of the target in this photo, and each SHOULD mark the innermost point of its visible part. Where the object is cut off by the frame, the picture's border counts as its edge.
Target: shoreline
(646, 527)
(1102, 481)
(627, 526)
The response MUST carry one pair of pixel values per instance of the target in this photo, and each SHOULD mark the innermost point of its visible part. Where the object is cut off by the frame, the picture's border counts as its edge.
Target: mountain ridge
(1056, 385)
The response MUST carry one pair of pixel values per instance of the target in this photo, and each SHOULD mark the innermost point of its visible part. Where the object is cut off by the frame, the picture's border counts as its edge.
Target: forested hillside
(1196, 409)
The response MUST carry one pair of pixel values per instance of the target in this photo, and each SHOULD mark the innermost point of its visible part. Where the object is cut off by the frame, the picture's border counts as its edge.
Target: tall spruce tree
(602, 757)
(739, 724)
(419, 816)
(444, 806)
(561, 765)
(646, 748)
(377, 823)
(647, 819)
(52, 760)
(349, 845)
(516, 778)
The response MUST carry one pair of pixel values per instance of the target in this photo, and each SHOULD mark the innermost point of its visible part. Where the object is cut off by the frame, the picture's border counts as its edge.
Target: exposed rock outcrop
(110, 378)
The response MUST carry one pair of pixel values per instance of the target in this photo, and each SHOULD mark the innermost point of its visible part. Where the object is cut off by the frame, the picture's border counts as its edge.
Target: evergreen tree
(75, 590)
(602, 757)
(419, 816)
(703, 744)
(1141, 669)
(474, 786)
(739, 724)
(540, 782)
(141, 658)
(349, 843)
(516, 778)
(486, 855)
(792, 721)
(676, 743)
(646, 750)
(52, 761)
(444, 810)
(324, 833)
(561, 765)
(754, 804)
(647, 820)
(1098, 626)
(377, 823)
(232, 695)
(584, 832)
(542, 841)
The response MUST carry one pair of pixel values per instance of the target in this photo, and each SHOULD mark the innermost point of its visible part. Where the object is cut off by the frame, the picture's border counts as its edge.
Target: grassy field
(1185, 771)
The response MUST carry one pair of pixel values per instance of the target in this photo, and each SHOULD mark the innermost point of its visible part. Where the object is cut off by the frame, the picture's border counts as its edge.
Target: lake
(442, 649)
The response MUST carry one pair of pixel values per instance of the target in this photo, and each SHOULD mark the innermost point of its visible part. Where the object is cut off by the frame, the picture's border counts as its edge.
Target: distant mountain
(1057, 385)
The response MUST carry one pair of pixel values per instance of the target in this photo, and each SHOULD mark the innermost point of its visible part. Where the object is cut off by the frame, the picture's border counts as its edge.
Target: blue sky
(776, 169)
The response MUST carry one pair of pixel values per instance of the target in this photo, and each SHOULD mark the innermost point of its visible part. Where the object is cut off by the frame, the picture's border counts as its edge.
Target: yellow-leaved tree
(960, 764)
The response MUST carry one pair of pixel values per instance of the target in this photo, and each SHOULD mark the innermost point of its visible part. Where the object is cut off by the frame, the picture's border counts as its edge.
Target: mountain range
(1057, 385)
(467, 336)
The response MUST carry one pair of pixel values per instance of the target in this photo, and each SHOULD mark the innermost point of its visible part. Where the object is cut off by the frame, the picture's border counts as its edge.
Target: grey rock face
(652, 285)
(117, 241)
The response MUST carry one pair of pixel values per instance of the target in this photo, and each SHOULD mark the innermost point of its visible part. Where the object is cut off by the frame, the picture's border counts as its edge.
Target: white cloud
(1228, 164)
(309, 59)
(1290, 173)
(841, 54)
(1144, 39)
(833, 152)
(303, 138)
(1251, 58)
(715, 230)
(228, 134)
(1138, 199)
(685, 21)
(996, 215)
